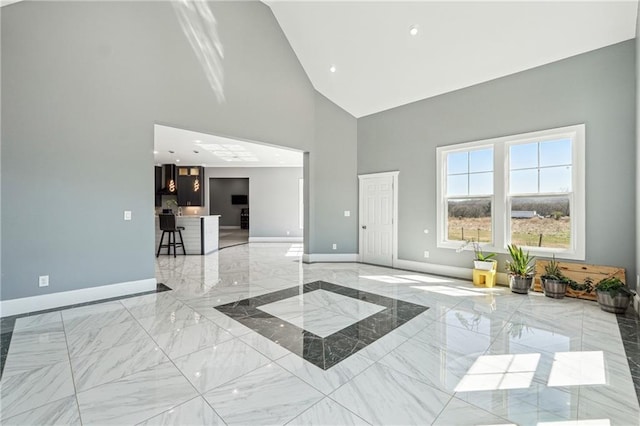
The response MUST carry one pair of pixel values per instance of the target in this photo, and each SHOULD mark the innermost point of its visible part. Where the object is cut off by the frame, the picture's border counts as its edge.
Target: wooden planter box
(579, 272)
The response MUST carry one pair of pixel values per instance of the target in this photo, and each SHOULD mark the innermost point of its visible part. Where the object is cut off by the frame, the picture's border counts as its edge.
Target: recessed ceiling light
(177, 160)
(155, 152)
(197, 141)
(332, 68)
(413, 30)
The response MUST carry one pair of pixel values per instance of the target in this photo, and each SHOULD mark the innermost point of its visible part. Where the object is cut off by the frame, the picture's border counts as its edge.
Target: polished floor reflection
(321, 322)
(439, 351)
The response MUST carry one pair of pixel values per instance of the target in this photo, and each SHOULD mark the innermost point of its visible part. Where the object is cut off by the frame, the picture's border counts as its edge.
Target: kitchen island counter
(200, 234)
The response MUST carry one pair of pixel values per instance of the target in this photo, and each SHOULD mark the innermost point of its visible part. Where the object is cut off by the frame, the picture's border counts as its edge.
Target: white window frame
(501, 197)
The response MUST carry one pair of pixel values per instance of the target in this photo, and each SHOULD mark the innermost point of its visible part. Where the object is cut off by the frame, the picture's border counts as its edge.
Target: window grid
(469, 174)
(502, 197)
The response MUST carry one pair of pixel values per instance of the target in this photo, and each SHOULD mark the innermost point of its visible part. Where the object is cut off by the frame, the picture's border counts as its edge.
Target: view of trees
(555, 207)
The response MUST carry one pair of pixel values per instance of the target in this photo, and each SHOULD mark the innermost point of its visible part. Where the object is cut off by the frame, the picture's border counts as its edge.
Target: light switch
(127, 215)
(347, 213)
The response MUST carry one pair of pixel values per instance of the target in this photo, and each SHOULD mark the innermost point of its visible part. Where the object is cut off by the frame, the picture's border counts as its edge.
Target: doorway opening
(272, 210)
(229, 198)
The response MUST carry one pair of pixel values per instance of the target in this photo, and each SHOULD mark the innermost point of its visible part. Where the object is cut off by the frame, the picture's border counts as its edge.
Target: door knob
(364, 226)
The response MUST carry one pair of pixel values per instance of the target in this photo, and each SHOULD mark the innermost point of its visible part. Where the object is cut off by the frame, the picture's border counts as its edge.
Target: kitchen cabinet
(190, 183)
(158, 185)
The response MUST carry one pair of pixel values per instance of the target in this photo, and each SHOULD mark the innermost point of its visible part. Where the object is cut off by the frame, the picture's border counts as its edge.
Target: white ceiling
(199, 149)
(379, 65)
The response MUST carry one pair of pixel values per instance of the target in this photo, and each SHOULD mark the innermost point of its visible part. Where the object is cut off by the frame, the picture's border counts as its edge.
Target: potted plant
(520, 268)
(554, 284)
(482, 261)
(613, 296)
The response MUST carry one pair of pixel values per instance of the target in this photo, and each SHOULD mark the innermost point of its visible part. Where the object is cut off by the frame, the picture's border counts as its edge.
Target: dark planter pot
(615, 305)
(520, 285)
(554, 288)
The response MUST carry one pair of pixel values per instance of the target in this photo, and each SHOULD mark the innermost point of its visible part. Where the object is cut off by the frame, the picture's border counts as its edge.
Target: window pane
(469, 219)
(524, 181)
(541, 222)
(555, 179)
(555, 153)
(481, 161)
(481, 183)
(457, 185)
(523, 156)
(457, 162)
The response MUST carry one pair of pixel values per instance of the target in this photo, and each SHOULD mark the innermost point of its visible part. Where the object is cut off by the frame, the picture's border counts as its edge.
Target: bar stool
(168, 225)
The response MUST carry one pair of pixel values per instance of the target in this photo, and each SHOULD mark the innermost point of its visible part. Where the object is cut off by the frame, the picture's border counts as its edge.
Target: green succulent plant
(480, 255)
(521, 263)
(552, 270)
(613, 286)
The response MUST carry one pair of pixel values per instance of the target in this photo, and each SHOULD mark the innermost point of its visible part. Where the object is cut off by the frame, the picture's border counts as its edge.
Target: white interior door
(377, 207)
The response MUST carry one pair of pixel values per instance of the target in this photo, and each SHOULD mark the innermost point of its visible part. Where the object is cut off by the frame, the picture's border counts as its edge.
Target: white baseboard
(229, 227)
(432, 268)
(330, 257)
(64, 298)
(447, 271)
(275, 239)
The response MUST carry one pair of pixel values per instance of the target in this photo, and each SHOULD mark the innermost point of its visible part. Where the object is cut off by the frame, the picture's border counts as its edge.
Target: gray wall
(220, 192)
(637, 280)
(596, 88)
(333, 179)
(82, 85)
(273, 198)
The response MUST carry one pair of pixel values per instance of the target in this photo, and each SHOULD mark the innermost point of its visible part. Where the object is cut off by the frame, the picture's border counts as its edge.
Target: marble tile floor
(7, 324)
(192, 356)
(232, 237)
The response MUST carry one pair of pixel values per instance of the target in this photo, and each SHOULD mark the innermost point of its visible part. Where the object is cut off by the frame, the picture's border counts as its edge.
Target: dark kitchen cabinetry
(158, 181)
(190, 184)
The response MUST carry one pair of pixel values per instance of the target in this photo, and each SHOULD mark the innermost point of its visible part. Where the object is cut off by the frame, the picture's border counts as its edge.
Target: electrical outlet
(335, 246)
(43, 281)
(288, 232)
(426, 254)
(127, 215)
(426, 231)
(347, 213)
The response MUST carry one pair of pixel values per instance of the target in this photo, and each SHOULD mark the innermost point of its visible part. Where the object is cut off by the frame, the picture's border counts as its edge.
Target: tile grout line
(12, 318)
(176, 367)
(50, 402)
(73, 377)
(326, 397)
(627, 346)
(237, 338)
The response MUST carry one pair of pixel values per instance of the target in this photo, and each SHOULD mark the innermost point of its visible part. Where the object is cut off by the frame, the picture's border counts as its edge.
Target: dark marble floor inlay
(7, 323)
(629, 324)
(330, 350)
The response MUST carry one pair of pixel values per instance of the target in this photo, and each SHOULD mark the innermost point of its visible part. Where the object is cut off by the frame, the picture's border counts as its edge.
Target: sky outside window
(470, 173)
(540, 167)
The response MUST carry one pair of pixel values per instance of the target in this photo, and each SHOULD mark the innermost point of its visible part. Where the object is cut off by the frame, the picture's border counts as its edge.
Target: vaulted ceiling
(362, 56)
(380, 65)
